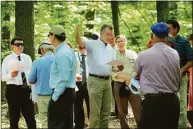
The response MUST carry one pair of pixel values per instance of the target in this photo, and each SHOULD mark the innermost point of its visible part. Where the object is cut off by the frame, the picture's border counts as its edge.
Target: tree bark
(24, 24)
(5, 40)
(90, 16)
(115, 17)
(162, 11)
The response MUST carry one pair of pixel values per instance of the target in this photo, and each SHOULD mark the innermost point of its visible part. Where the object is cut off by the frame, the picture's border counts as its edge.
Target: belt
(81, 82)
(102, 77)
(66, 88)
(18, 86)
(159, 94)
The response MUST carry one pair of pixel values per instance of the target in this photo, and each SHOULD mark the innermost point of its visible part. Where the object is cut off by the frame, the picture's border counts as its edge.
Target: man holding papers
(15, 70)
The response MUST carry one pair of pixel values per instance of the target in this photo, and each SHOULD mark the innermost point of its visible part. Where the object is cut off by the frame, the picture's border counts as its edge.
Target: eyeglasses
(19, 44)
(49, 34)
(122, 41)
(169, 28)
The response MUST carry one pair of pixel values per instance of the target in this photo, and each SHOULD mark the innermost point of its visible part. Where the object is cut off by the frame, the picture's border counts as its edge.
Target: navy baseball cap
(160, 29)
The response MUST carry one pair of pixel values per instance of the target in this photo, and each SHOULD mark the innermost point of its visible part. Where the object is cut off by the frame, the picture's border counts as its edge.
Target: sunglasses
(19, 44)
(50, 34)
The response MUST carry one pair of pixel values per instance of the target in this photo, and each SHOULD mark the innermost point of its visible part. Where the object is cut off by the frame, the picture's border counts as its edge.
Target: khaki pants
(100, 93)
(183, 102)
(43, 110)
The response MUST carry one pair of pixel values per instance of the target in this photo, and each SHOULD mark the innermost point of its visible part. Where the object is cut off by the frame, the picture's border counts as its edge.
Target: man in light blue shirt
(40, 75)
(62, 80)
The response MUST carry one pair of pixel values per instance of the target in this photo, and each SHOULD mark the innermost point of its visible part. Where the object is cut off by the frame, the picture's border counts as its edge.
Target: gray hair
(46, 46)
(106, 26)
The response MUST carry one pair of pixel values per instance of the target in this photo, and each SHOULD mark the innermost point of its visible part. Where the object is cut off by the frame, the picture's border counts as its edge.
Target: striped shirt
(160, 69)
(98, 55)
(182, 46)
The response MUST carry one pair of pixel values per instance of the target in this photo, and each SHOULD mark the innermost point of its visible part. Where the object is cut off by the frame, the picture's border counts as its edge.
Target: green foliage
(135, 21)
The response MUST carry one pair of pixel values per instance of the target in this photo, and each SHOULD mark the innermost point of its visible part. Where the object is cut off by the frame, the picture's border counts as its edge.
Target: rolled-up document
(134, 85)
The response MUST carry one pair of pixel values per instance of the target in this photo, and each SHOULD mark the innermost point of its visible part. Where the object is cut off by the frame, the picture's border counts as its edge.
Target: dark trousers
(190, 117)
(18, 99)
(116, 110)
(81, 95)
(60, 113)
(160, 112)
(122, 104)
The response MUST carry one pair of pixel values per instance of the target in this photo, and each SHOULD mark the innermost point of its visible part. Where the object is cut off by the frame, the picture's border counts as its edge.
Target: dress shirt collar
(178, 37)
(15, 55)
(159, 44)
(104, 42)
(81, 54)
(59, 46)
(48, 54)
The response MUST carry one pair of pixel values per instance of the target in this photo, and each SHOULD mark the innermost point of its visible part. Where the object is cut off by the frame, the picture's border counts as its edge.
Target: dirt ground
(113, 123)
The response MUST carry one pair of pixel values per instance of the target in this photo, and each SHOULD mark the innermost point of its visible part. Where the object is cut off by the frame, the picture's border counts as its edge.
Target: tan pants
(43, 110)
(100, 93)
(122, 105)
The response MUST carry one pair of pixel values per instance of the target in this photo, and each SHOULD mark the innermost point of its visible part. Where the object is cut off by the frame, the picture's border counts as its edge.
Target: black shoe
(85, 126)
(113, 114)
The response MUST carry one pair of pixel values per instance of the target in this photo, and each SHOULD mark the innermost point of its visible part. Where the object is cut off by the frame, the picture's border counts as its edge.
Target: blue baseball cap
(160, 29)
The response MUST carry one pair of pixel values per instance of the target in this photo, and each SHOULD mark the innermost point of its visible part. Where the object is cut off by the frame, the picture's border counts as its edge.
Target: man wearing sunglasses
(15, 70)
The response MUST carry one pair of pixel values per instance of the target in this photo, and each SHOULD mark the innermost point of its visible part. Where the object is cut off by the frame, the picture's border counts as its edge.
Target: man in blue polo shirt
(186, 57)
(40, 75)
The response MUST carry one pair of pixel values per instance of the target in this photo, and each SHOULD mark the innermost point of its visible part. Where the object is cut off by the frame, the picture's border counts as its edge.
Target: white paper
(76, 89)
(115, 63)
(33, 93)
(15, 65)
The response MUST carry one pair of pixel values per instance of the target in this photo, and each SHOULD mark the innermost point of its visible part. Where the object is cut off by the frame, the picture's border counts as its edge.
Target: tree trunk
(24, 24)
(162, 11)
(90, 16)
(115, 17)
(5, 42)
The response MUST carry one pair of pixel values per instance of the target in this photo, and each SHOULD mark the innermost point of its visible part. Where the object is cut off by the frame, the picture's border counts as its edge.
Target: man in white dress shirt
(82, 93)
(15, 70)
